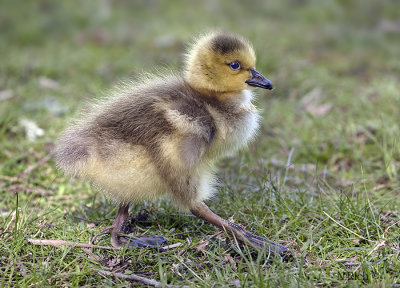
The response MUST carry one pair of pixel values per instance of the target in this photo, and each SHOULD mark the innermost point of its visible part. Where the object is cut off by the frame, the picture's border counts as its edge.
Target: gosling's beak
(258, 80)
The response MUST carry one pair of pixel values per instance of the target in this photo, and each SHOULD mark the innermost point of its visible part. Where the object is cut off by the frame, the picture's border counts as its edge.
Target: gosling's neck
(211, 91)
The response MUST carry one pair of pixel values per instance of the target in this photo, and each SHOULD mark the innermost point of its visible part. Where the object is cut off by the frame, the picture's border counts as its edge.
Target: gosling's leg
(245, 237)
(118, 241)
(116, 228)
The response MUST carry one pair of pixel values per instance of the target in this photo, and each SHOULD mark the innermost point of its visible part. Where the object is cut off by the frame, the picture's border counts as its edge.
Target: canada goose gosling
(162, 136)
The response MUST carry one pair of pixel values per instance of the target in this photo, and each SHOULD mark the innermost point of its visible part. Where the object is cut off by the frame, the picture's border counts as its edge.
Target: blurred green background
(334, 113)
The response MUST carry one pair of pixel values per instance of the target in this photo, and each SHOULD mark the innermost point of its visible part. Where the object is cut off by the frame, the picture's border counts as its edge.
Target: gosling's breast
(236, 125)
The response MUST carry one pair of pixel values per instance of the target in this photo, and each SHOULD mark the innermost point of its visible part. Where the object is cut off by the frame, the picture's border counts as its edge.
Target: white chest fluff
(235, 130)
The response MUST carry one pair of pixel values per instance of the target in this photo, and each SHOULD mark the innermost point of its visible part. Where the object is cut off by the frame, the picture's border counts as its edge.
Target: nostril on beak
(258, 80)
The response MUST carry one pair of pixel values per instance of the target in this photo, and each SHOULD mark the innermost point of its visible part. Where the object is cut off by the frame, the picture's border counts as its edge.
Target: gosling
(162, 137)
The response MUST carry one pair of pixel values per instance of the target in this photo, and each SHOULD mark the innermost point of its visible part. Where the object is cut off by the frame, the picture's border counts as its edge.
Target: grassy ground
(333, 117)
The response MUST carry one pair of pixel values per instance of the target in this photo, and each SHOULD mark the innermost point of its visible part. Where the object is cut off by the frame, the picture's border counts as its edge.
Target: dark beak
(259, 80)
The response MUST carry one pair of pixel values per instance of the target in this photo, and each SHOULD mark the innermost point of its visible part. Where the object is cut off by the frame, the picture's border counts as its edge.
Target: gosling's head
(223, 63)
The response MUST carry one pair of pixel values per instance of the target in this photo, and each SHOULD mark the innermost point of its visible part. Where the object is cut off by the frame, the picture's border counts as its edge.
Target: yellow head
(223, 63)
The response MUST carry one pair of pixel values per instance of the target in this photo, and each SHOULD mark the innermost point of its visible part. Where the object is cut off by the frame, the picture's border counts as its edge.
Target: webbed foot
(119, 239)
(240, 234)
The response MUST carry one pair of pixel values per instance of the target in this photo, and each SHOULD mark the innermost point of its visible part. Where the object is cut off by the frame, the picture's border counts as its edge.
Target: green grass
(334, 114)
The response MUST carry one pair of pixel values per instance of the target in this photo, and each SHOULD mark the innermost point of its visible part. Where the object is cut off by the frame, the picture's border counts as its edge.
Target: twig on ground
(66, 243)
(137, 278)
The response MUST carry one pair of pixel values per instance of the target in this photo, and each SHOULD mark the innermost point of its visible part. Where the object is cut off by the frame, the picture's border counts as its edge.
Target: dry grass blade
(394, 224)
(344, 227)
(172, 246)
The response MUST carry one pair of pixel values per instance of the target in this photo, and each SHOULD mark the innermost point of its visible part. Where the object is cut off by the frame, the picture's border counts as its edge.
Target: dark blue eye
(234, 65)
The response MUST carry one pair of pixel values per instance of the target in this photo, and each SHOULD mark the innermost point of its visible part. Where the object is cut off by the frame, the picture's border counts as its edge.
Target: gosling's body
(163, 136)
(159, 139)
